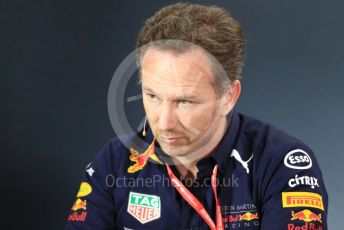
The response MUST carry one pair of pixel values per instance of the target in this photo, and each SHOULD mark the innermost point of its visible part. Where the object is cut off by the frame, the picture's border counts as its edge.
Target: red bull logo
(246, 220)
(231, 218)
(141, 159)
(306, 215)
(79, 205)
(248, 216)
(77, 217)
(306, 226)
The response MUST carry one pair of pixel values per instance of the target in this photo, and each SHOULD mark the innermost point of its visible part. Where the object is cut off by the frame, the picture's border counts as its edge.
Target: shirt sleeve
(93, 207)
(293, 192)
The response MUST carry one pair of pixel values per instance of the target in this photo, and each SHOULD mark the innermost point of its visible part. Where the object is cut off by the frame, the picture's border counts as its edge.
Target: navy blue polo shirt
(266, 180)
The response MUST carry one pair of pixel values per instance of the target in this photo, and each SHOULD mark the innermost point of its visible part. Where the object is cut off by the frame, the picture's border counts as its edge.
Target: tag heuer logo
(144, 207)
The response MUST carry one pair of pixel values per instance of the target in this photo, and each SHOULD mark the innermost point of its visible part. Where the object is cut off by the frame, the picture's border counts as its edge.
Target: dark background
(57, 59)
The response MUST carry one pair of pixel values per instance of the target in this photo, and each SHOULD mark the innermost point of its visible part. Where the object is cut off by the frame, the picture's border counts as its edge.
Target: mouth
(170, 140)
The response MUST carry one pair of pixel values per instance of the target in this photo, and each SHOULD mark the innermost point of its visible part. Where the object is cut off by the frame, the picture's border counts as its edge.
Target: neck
(186, 169)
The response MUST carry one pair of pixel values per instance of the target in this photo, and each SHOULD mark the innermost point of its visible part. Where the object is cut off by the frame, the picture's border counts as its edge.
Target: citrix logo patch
(303, 180)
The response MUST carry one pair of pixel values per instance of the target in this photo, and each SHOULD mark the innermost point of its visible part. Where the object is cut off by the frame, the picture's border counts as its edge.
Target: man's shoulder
(114, 153)
(266, 140)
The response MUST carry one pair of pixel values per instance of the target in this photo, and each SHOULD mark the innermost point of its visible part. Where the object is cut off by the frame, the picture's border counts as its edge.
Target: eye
(185, 102)
(152, 97)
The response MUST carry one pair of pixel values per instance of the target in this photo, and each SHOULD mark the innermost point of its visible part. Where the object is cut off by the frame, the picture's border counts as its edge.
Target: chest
(149, 201)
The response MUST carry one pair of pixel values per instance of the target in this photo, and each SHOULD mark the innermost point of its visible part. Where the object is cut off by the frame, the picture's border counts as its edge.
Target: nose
(167, 118)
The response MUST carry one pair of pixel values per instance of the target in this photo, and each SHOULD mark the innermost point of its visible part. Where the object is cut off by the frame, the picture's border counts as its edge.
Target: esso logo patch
(298, 159)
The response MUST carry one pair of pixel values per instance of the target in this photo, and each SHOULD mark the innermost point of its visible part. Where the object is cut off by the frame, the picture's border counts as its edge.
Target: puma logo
(237, 157)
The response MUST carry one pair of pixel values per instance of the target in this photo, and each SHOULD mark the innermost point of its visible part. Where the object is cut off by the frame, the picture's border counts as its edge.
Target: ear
(230, 97)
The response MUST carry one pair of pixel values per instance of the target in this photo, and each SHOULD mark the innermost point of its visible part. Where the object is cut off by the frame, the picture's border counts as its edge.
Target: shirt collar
(224, 148)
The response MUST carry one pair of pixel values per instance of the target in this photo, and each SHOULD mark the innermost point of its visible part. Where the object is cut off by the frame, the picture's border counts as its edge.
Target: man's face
(180, 101)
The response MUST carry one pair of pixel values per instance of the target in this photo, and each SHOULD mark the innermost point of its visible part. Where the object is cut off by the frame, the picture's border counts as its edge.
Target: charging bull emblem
(141, 159)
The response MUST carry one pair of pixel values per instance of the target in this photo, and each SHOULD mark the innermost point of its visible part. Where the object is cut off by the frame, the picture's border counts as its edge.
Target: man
(206, 165)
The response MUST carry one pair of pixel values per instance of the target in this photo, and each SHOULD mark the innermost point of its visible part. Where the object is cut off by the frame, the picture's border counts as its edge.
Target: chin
(175, 151)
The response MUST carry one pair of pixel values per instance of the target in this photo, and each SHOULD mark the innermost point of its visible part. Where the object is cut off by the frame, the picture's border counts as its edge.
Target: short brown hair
(209, 27)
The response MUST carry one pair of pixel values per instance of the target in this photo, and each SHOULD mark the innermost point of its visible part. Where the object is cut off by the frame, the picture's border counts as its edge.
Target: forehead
(191, 69)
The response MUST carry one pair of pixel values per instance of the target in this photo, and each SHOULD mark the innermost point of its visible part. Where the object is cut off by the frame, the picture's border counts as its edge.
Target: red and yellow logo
(84, 190)
(302, 199)
(141, 159)
(306, 216)
(248, 216)
(79, 204)
(77, 217)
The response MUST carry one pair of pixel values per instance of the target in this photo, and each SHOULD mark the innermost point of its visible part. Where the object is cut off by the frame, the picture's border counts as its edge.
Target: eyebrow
(148, 89)
(179, 97)
(188, 97)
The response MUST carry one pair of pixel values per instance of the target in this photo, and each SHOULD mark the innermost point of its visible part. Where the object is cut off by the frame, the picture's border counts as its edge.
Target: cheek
(200, 119)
